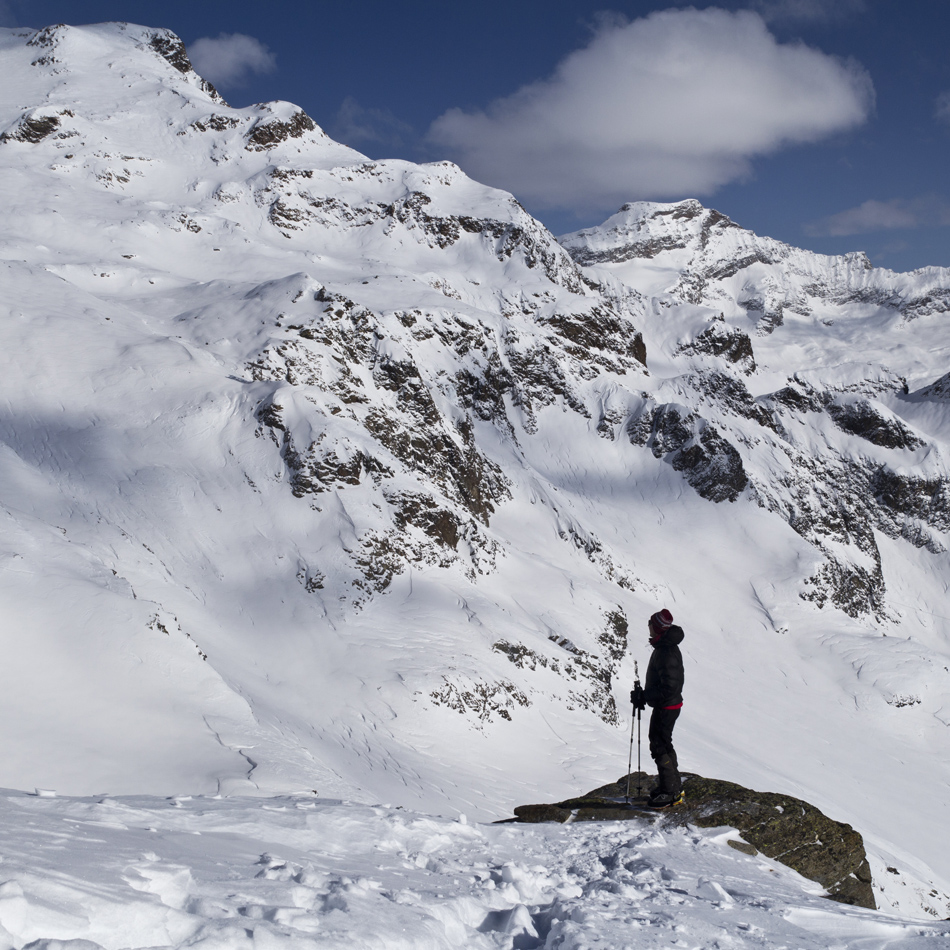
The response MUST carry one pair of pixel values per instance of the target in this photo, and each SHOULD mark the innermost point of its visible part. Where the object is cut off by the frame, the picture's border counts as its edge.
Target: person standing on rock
(663, 691)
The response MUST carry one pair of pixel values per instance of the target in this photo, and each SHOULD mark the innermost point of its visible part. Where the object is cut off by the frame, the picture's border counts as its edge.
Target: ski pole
(634, 698)
(626, 797)
(639, 770)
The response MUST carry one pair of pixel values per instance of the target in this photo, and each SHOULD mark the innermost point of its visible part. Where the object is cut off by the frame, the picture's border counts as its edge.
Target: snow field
(296, 873)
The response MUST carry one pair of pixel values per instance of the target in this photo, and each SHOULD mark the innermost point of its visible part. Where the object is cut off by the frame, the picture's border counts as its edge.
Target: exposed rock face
(267, 133)
(172, 49)
(781, 827)
(35, 125)
(692, 446)
(939, 389)
(719, 339)
(835, 491)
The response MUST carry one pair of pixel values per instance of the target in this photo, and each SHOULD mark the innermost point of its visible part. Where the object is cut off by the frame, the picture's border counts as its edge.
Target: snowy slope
(327, 474)
(295, 872)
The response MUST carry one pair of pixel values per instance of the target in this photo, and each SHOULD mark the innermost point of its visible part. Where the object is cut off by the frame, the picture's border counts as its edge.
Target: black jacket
(664, 680)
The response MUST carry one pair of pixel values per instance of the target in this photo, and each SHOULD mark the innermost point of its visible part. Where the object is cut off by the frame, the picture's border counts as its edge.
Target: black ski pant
(661, 748)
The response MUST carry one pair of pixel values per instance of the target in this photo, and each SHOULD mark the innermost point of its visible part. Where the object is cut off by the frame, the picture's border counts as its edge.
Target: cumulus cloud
(809, 11)
(676, 103)
(230, 59)
(927, 211)
(356, 125)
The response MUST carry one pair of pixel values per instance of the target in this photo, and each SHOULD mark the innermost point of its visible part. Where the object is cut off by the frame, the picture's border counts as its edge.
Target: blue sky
(824, 123)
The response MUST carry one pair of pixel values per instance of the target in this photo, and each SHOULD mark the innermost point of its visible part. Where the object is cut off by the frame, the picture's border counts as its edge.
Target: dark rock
(48, 36)
(672, 427)
(312, 472)
(781, 827)
(647, 248)
(538, 813)
(535, 245)
(730, 343)
(939, 389)
(33, 127)
(484, 394)
(591, 674)
(789, 830)
(464, 473)
(731, 267)
(851, 588)
(925, 498)
(800, 401)
(216, 123)
(713, 467)
(772, 318)
(614, 638)
(600, 329)
(863, 420)
(267, 133)
(732, 394)
(270, 414)
(424, 513)
(693, 446)
(541, 380)
(743, 846)
(170, 47)
(484, 699)
(936, 301)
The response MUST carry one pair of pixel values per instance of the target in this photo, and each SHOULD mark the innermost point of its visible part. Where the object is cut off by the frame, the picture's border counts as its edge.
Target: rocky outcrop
(268, 132)
(692, 446)
(171, 49)
(729, 343)
(35, 125)
(781, 827)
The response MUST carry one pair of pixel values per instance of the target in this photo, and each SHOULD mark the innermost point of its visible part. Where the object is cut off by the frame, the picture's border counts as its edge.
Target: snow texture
(293, 872)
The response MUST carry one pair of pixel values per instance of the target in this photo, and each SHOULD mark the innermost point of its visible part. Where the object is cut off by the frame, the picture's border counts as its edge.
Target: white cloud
(230, 58)
(675, 103)
(809, 11)
(926, 211)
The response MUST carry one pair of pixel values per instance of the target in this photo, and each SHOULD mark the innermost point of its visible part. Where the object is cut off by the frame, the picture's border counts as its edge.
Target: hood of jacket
(673, 636)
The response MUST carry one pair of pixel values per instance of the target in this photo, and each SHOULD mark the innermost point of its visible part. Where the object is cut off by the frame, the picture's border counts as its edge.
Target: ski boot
(666, 799)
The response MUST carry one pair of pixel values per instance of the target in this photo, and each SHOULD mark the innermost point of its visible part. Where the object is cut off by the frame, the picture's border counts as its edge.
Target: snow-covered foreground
(297, 872)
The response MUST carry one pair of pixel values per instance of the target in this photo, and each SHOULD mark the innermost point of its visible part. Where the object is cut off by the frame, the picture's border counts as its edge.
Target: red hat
(661, 621)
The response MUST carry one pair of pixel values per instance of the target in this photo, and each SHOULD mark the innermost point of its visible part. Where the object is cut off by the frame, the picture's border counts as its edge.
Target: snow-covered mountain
(325, 473)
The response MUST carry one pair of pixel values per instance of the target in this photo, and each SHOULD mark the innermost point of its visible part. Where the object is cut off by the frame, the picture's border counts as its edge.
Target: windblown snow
(329, 478)
(287, 872)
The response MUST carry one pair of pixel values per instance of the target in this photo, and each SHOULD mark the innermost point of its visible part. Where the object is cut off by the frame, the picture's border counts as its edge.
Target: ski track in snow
(305, 873)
